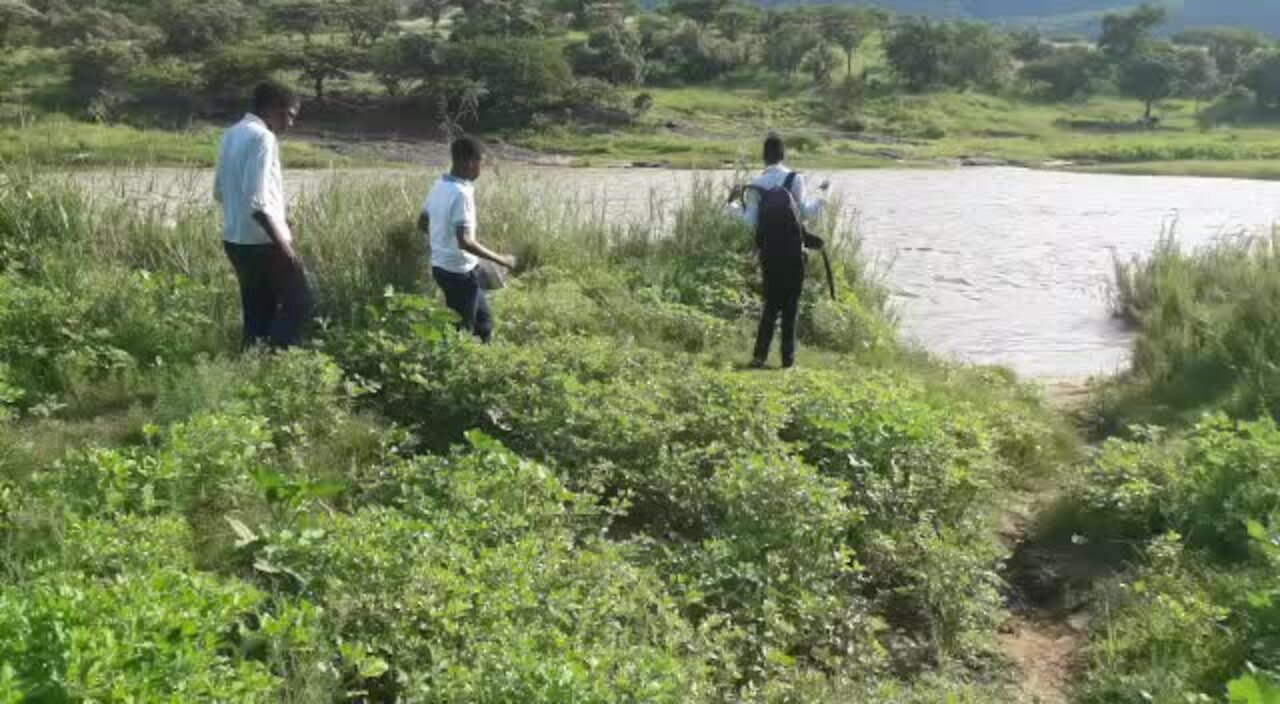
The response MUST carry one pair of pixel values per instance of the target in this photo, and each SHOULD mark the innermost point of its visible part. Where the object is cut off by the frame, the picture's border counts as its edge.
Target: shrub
(493, 598)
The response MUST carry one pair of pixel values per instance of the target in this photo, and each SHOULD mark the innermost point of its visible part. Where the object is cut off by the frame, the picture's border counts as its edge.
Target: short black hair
(774, 150)
(270, 94)
(466, 148)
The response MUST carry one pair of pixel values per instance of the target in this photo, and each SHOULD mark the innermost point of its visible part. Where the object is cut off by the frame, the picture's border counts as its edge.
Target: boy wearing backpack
(776, 206)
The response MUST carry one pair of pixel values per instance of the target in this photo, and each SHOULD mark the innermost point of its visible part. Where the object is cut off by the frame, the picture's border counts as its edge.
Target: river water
(988, 265)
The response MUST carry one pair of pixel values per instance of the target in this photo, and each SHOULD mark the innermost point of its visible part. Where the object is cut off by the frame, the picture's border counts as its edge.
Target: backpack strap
(791, 179)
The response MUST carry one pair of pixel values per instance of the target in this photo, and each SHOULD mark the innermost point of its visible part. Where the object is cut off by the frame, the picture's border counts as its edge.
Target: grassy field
(62, 141)
(602, 506)
(711, 127)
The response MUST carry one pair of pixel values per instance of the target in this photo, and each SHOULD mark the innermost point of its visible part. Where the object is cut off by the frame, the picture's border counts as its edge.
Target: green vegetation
(692, 84)
(601, 506)
(1185, 491)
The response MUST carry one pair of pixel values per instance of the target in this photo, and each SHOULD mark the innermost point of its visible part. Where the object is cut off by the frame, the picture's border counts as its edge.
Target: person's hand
(291, 254)
(507, 260)
(735, 194)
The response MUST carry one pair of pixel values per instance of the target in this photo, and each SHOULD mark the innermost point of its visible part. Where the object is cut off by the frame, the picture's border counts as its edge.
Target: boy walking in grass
(257, 238)
(776, 206)
(449, 220)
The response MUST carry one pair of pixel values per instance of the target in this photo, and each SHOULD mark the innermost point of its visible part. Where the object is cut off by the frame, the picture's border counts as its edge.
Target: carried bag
(491, 277)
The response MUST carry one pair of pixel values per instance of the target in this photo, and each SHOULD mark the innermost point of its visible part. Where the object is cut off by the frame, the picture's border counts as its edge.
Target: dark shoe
(757, 364)
(788, 363)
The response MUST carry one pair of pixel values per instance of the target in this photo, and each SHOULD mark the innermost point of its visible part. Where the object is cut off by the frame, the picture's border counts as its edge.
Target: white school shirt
(248, 180)
(451, 204)
(774, 177)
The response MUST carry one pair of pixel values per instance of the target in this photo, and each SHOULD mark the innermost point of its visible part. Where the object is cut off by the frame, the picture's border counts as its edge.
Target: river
(988, 265)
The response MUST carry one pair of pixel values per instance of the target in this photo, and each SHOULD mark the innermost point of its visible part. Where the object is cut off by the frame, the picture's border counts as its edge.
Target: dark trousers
(273, 293)
(781, 298)
(465, 296)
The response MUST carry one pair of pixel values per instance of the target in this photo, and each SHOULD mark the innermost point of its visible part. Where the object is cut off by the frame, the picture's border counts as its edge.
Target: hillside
(1083, 15)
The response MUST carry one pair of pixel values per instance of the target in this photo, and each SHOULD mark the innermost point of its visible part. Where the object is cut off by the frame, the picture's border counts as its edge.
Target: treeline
(522, 60)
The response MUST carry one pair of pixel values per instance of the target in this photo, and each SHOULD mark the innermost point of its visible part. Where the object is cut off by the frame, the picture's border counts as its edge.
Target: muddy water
(1000, 266)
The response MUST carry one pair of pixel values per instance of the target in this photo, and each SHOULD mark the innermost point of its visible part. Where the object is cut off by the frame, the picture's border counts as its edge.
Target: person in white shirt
(449, 220)
(783, 267)
(249, 184)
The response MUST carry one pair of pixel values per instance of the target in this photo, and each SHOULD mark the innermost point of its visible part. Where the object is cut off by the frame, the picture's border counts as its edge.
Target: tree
(168, 86)
(301, 17)
(737, 20)
(367, 21)
(1028, 46)
(1150, 76)
(1198, 75)
(1263, 78)
(195, 27)
(847, 27)
(432, 9)
(506, 18)
(92, 24)
(1124, 35)
(785, 51)
(16, 19)
(1069, 73)
(614, 54)
(231, 70)
(700, 11)
(974, 56)
(102, 66)
(403, 62)
(520, 75)
(914, 52)
(695, 55)
(1230, 47)
(320, 62)
(820, 64)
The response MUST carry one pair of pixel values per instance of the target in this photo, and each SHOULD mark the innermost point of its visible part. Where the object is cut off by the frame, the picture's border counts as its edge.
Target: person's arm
(810, 209)
(468, 242)
(256, 184)
(464, 223)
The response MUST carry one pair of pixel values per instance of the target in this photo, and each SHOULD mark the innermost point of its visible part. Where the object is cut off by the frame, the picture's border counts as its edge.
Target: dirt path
(1047, 632)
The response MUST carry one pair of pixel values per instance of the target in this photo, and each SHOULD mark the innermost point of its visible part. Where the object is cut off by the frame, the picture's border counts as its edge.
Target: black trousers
(273, 293)
(781, 299)
(465, 296)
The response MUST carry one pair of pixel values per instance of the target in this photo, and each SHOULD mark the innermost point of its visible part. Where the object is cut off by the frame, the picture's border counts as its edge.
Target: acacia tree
(820, 64)
(848, 27)
(320, 62)
(367, 21)
(700, 11)
(302, 17)
(1124, 35)
(404, 62)
(1263, 78)
(16, 20)
(1069, 73)
(737, 20)
(786, 50)
(1150, 76)
(914, 51)
(431, 9)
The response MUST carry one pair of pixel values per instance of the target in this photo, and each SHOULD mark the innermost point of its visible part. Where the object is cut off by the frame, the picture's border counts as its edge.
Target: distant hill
(1084, 15)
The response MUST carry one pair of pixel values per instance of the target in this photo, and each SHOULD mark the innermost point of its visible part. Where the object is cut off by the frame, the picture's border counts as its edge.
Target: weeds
(595, 508)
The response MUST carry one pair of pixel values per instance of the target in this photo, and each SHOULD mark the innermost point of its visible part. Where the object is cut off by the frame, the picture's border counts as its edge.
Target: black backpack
(779, 230)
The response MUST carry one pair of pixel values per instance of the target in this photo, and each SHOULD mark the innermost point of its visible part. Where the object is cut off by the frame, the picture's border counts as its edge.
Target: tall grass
(663, 527)
(1208, 324)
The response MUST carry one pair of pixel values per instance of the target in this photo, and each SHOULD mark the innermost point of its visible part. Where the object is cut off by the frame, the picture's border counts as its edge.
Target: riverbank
(714, 531)
(694, 128)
